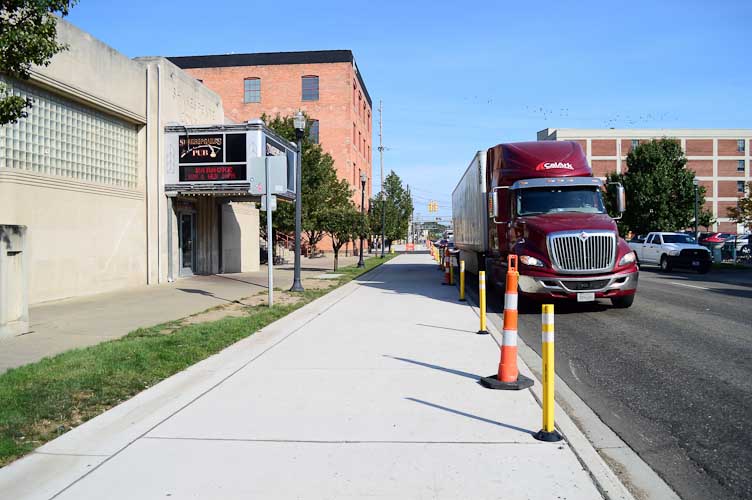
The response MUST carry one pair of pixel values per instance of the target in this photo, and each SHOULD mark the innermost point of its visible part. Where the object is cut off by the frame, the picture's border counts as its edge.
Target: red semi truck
(540, 201)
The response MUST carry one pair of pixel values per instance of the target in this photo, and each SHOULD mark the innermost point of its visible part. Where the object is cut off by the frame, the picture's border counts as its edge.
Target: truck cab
(547, 208)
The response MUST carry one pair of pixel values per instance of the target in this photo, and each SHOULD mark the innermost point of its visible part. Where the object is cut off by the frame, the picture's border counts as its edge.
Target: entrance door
(187, 237)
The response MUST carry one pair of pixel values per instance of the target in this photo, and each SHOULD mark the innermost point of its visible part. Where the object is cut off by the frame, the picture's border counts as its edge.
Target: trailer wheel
(622, 302)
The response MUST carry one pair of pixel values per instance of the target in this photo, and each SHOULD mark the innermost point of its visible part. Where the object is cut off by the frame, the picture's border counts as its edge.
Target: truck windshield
(585, 199)
(678, 238)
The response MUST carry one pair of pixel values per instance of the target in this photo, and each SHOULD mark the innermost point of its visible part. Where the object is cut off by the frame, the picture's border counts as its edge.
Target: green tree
(28, 35)
(342, 223)
(397, 206)
(321, 189)
(659, 189)
(742, 213)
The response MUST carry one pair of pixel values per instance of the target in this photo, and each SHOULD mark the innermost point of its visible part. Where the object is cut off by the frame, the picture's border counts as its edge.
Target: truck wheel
(622, 302)
(665, 266)
(745, 251)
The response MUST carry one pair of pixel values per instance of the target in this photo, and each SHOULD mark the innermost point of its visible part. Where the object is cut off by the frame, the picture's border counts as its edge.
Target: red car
(715, 238)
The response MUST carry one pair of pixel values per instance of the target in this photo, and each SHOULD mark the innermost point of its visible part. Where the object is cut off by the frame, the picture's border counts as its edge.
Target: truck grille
(585, 285)
(582, 252)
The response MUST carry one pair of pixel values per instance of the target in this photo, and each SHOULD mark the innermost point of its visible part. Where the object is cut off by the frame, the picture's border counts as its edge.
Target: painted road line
(689, 286)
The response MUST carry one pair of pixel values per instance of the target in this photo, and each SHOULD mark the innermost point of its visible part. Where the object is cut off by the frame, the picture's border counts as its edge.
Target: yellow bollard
(462, 280)
(548, 432)
(482, 300)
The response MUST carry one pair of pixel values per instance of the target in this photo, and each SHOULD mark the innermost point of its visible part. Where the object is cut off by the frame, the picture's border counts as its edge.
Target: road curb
(607, 482)
(617, 471)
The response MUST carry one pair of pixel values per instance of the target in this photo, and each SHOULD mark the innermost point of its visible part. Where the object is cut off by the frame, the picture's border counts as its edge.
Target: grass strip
(42, 400)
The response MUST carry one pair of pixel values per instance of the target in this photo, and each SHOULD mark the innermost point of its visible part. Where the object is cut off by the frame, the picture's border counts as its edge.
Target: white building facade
(84, 173)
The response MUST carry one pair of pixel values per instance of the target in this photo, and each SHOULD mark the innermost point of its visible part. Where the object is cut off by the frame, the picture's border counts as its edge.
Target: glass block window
(63, 138)
(313, 131)
(252, 90)
(310, 88)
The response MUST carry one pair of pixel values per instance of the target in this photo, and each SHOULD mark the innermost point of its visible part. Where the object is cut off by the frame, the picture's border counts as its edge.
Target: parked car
(714, 237)
(669, 250)
(742, 243)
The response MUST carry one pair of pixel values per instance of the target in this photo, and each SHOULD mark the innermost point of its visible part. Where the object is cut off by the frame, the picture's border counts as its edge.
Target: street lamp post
(696, 183)
(300, 123)
(383, 221)
(363, 179)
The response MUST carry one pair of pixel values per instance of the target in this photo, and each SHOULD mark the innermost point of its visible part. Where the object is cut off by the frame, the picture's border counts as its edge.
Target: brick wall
(344, 115)
(281, 93)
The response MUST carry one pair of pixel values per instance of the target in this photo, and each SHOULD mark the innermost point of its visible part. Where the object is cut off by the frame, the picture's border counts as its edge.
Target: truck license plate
(586, 297)
(696, 263)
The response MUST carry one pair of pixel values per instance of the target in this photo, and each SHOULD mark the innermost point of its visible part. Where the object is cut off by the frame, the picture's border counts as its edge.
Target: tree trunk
(336, 258)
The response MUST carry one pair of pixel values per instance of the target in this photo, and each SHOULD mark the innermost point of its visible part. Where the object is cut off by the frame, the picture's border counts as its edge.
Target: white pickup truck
(669, 250)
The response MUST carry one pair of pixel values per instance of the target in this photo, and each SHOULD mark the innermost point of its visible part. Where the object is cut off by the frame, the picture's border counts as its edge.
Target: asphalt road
(672, 375)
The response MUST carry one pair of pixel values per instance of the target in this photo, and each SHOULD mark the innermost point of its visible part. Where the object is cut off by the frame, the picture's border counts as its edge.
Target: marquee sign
(227, 158)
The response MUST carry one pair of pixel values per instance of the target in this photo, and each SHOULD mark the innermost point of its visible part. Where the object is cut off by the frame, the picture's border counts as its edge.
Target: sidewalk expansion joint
(60, 454)
(335, 441)
(356, 286)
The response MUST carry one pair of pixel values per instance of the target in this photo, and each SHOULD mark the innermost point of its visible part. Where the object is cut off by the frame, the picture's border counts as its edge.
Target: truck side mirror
(494, 208)
(621, 199)
(493, 204)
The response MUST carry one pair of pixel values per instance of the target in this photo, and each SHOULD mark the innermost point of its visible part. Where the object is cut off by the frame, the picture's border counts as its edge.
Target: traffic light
(433, 206)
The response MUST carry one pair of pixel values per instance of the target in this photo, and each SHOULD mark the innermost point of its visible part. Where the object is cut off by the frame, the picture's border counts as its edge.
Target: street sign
(277, 172)
(273, 203)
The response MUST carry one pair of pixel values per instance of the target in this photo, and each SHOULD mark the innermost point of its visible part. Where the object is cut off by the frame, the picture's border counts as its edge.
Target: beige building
(83, 172)
(720, 159)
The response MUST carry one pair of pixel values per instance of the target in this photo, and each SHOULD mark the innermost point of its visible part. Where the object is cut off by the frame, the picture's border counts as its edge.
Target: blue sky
(456, 77)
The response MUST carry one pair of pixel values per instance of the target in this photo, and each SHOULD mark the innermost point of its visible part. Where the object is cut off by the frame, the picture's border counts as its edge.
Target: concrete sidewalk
(79, 322)
(370, 391)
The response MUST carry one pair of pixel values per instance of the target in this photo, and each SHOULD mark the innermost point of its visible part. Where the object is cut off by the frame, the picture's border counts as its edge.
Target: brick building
(325, 84)
(719, 157)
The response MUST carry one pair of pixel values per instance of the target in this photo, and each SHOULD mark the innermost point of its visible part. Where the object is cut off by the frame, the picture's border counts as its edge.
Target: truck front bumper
(567, 287)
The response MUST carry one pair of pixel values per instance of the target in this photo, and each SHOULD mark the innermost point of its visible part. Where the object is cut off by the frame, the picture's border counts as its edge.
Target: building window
(635, 143)
(310, 88)
(355, 93)
(63, 138)
(355, 134)
(740, 166)
(359, 141)
(313, 132)
(252, 90)
(740, 186)
(740, 145)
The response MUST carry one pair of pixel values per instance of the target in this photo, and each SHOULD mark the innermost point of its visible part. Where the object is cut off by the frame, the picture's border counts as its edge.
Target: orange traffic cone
(508, 377)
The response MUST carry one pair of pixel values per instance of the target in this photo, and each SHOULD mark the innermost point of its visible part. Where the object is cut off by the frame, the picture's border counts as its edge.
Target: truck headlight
(674, 253)
(531, 261)
(627, 259)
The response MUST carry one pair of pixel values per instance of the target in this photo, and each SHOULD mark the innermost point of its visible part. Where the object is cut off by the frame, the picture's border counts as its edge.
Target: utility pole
(381, 166)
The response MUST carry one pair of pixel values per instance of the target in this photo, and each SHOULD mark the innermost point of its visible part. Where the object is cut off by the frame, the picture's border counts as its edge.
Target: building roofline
(271, 59)
(575, 133)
